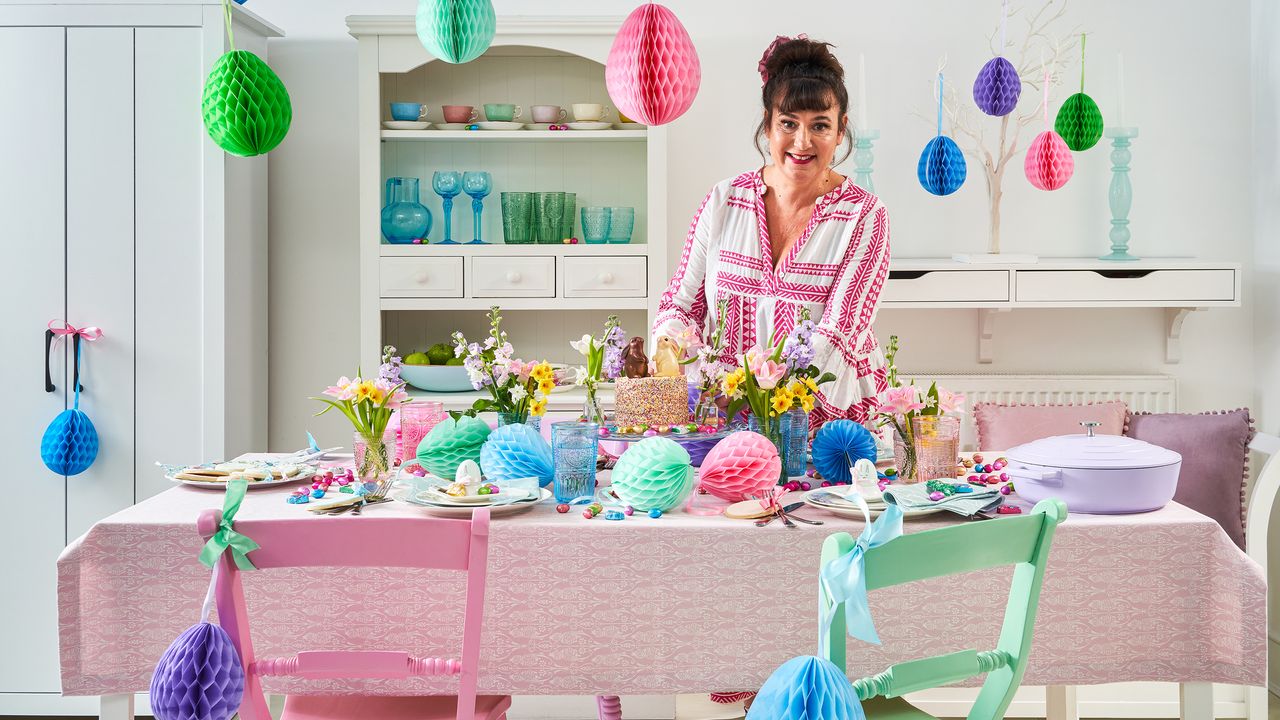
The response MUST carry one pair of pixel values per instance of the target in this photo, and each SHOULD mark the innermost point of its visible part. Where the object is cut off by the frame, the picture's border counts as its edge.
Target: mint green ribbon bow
(226, 536)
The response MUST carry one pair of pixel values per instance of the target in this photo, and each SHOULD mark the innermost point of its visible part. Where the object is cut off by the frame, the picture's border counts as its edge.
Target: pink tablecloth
(676, 604)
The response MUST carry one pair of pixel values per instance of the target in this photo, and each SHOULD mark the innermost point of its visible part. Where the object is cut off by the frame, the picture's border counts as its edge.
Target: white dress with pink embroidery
(837, 268)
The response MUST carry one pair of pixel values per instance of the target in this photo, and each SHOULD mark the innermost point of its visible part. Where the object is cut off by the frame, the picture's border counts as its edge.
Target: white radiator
(1142, 393)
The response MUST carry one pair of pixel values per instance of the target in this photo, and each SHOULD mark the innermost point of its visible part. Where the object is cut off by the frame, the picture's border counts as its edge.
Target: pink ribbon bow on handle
(66, 330)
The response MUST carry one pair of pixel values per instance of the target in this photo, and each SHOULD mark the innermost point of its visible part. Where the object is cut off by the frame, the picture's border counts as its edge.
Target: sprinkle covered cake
(651, 401)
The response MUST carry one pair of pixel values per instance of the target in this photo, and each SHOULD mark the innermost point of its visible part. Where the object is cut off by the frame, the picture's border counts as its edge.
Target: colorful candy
(655, 513)
(603, 432)
(562, 508)
(588, 514)
(936, 496)
(317, 493)
(628, 510)
(805, 486)
(1008, 510)
(977, 458)
(614, 515)
(1004, 490)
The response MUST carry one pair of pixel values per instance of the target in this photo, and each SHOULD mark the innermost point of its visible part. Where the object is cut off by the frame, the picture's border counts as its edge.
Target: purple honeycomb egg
(997, 87)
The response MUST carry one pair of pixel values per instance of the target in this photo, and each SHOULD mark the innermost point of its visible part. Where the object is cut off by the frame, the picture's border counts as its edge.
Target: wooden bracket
(986, 333)
(1173, 319)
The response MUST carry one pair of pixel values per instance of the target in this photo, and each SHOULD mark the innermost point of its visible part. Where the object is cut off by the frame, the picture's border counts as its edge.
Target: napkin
(916, 497)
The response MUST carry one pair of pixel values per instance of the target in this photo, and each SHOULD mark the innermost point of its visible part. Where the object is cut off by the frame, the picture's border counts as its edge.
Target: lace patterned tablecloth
(659, 606)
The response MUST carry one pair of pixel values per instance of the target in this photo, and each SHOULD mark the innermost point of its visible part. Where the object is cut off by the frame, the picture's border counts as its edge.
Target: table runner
(659, 606)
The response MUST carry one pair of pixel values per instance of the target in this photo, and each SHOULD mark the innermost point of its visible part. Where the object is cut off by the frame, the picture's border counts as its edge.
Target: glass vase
(573, 450)
(509, 418)
(372, 457)
(591, 408)
(937, 444)
(904, 458)
(797, 442)
(777, 432)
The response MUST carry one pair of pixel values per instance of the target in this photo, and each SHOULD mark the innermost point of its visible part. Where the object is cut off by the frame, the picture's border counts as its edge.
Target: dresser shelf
(1178, 285)
(521, 135)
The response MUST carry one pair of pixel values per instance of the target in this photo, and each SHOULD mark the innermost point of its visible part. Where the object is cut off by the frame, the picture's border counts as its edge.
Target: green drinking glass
(566, 219)
(548, 212)
(517, 218)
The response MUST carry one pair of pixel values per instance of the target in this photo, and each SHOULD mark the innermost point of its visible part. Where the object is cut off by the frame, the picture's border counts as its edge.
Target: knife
(786, 509)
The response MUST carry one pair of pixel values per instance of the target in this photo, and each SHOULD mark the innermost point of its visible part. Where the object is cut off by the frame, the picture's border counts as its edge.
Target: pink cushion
(1215, 460)
(1001, 427)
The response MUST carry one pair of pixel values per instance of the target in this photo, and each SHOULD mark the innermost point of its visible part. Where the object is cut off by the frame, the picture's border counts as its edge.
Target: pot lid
(1093, 452)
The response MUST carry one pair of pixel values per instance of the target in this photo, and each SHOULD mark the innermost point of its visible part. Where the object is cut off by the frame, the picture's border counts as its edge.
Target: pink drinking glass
(416, 420)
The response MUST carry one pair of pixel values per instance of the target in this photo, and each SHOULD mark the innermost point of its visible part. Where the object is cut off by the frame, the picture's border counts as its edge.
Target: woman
(794, 233)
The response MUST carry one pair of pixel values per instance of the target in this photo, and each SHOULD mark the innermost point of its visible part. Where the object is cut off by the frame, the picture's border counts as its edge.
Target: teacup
(588, 112)
(502, 112)
(408, 111)
(459, 113)
(547, 113)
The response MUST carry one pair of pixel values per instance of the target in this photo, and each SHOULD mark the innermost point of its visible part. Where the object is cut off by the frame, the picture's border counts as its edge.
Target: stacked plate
(437, 502)
(839, 502)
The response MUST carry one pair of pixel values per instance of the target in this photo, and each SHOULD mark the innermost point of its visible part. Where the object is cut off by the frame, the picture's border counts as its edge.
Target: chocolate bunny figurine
(634, 362)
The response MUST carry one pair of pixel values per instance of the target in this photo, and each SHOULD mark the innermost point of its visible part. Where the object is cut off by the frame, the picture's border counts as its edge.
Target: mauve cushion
(1001, 427)
(1215, 460)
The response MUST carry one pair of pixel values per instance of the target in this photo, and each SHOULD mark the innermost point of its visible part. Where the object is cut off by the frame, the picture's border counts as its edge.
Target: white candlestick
(1120, 88)
(862, 92)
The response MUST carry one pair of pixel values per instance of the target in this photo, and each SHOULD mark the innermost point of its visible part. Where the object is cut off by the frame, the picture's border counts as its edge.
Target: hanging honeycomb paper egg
(741, 466)
(456, 31)
(246, 107)
(70, 443)
(997, 87)
(1079, 122)
(449, 443)
(1049, 164)
(200, 677)
(807, 688)
(653, 474)
(652, 72)
(942, 167)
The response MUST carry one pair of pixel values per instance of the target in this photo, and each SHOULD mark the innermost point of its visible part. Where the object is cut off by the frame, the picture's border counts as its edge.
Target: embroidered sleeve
(684, 304)
(843, 341)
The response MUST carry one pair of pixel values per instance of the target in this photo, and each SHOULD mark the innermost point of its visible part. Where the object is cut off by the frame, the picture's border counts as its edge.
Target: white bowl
(436, 378)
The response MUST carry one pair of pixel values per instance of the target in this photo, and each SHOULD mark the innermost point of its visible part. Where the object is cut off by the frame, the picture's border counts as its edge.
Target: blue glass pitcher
(404, 217)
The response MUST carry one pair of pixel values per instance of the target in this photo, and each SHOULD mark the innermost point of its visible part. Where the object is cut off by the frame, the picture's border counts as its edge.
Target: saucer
(452, 126)
(494, 125)
(629, 126)
(590, 125)
(405, 125)
(538, 126)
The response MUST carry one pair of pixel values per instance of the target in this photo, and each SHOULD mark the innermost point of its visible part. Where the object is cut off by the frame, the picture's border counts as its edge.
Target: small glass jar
(937, 444)
(373, 456)
(573, 449)
(508, 418)
(797, 442)
(416, 420)
(778, 433)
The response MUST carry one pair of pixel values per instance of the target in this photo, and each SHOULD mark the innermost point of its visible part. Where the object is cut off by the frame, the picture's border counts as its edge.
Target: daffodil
(542, 372)
(732, 383)
(537, 408)
(813, 386)
(806, 402)
(366, 391)
(782, 401)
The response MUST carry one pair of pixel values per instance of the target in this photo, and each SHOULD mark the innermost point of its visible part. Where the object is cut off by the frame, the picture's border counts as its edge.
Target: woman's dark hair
(803, 74)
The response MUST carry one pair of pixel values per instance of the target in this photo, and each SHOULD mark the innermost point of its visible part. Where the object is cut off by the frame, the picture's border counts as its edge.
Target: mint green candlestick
(863, 158)
(1121, 193)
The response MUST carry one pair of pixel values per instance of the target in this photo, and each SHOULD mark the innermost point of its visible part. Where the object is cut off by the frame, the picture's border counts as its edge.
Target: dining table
(657, 606)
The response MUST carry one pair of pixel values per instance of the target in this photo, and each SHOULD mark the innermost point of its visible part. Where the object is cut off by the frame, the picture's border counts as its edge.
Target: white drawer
(509, 276)
(1121, 285)
(606, 276)
(421, 277)
(943, 286)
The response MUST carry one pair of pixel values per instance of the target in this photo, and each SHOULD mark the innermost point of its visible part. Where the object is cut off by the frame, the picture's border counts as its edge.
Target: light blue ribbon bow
(845, 578)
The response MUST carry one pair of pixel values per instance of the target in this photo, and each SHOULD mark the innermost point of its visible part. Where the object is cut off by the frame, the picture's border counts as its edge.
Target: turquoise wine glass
(478, 185)
(447, 184)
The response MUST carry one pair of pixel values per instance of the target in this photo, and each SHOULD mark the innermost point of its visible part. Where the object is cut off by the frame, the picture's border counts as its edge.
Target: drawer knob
(422, 278)
(513, 277)
(606, 278)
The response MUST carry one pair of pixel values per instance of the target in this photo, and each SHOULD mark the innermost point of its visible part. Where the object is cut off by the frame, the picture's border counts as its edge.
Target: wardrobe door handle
(75, 384)
(48, 345)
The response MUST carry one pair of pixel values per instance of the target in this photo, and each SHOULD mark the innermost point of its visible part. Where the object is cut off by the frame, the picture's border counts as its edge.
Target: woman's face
(803, 144)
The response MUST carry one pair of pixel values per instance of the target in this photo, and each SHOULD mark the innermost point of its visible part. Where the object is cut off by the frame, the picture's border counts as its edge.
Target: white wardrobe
(117, 211)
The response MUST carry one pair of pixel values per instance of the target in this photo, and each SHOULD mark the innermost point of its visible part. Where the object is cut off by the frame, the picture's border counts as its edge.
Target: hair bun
(802, 57)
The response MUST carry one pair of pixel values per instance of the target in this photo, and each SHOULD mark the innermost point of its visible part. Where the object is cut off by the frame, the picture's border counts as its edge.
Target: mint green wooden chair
(1022, 541)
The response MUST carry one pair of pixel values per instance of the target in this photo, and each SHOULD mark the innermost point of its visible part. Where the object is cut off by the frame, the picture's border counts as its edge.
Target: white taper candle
(862, 92)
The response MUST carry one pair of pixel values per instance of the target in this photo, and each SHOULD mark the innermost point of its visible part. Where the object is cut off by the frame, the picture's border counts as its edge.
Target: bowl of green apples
(435, 370)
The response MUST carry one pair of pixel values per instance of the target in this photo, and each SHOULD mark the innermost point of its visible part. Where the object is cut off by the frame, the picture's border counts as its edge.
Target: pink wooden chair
(346, 542)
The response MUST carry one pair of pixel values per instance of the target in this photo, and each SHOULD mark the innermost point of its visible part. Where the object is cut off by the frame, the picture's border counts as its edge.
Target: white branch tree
(1039, 51)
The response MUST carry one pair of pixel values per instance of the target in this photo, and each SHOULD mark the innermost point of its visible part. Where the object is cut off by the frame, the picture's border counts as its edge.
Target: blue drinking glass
(478, 185)
(595, 225)
(447, 184)
(573, 449)
(621, 221)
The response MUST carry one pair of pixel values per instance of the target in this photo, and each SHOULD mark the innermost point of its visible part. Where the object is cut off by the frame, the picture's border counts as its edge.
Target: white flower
(518, 392)
(584, 345)
(580, 376)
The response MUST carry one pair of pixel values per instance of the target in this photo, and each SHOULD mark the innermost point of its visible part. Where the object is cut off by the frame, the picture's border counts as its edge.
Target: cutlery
(789, 508)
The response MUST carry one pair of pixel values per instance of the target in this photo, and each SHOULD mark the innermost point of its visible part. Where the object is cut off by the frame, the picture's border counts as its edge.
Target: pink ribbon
(67, 330)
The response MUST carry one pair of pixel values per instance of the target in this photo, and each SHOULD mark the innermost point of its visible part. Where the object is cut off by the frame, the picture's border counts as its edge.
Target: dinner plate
(497, 125)
(405, 124)
(406, 496)
(855, 513)
(439, 498)
(306, 473)
(584, 125)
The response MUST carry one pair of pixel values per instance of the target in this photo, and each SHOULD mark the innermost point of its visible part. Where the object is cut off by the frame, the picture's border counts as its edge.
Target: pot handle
(1045, 477)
